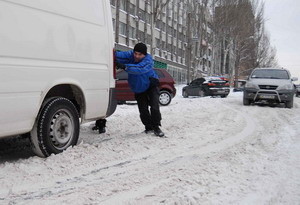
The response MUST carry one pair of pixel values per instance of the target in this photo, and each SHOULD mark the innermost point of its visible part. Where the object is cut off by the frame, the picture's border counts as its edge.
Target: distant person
(143, 81)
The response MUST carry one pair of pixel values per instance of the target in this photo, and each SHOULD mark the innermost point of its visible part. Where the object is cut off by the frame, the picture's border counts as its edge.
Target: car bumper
(269, 95)
(219, 91)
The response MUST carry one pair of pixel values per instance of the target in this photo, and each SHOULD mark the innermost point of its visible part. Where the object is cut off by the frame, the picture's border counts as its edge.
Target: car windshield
(270, 74)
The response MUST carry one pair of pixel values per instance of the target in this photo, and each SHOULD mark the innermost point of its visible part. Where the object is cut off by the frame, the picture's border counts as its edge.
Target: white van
(56, 69)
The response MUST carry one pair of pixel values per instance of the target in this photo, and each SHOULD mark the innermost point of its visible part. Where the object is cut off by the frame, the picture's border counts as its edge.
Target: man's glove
(120, 66)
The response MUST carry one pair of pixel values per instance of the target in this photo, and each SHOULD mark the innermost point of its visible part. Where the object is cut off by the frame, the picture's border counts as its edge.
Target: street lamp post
(189, 46)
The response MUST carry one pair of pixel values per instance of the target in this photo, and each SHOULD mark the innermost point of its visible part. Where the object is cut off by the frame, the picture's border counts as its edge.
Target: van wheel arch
(70, 92)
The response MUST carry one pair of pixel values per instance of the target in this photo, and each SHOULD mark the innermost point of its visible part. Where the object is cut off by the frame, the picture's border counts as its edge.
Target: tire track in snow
(147, 162)
(283, 138)
(210, 148)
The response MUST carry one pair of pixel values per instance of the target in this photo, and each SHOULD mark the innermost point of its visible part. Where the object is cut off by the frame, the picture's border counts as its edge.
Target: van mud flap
(112, 105)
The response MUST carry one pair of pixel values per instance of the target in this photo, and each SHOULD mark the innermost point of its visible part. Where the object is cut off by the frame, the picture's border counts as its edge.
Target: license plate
(267, 97)
(221, 91)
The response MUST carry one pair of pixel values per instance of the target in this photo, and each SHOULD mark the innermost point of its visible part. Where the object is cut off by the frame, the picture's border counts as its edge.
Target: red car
(166, 87)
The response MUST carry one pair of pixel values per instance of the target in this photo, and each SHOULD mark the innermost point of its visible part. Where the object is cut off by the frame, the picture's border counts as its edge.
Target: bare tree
(239, 27)
(265, 53)
(157, 7)
(197, 38)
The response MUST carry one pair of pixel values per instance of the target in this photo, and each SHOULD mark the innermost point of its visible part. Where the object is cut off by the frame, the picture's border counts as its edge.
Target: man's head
(140, 51)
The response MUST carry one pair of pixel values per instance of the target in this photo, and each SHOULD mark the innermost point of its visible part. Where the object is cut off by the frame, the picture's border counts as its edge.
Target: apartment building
(165, 32)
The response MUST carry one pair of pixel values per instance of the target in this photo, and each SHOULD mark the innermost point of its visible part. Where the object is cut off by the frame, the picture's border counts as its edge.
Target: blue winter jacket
(138, 73)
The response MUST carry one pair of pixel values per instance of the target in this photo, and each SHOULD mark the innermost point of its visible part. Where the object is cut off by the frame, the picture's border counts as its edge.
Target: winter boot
(158, 132)
(148, 129)
(100, 126)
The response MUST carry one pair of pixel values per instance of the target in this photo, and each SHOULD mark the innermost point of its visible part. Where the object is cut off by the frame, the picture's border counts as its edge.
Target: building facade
(169, 33)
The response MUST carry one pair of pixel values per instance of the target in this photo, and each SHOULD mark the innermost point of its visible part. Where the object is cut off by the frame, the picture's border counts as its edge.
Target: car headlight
(250, 85)
(286, 87)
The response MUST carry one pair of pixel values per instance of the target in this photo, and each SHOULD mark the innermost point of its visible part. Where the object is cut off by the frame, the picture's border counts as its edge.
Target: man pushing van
(143, 81)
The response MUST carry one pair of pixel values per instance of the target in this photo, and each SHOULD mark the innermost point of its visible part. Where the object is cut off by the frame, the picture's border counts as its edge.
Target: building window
(131, 32)
(157, 43)
(122, 28)
(169, 30)
(113, 2)
(131, 9)
(123, 5)
(163, 45)
(114, 24)
(141, 36)
(169, 47)
(141, 14)
(158, 24)
(148, 39)
(148, 17)
(163, 28)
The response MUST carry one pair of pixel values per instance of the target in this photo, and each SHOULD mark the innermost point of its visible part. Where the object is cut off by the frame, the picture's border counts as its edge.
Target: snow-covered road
(217, 151)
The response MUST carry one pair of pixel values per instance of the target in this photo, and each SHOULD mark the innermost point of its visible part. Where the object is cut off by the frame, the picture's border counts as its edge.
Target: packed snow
(217, 151)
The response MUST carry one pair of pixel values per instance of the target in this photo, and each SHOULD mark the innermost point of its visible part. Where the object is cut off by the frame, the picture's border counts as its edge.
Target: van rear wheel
(56, 128)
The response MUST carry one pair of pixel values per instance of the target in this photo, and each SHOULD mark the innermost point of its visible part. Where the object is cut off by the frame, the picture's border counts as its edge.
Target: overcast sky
(283, 23)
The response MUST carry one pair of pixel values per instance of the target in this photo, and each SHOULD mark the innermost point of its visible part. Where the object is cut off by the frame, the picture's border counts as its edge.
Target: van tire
(56, 128)
(165, 98)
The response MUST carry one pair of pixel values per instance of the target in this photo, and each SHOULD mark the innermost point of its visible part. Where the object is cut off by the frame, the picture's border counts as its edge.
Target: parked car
(270, 85)
(208, 86)
(297, 91)
(56, 70)
(166, 87)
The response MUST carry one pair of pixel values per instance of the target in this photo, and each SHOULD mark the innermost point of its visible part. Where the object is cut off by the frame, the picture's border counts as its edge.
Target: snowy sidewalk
(217, 151)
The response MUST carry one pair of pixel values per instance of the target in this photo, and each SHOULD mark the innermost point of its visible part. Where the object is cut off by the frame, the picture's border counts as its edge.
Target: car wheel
(164, 97)
(289, 104)
(223, 96)
(201, 93)
(246, 101)
(56, 128)
(184, 94)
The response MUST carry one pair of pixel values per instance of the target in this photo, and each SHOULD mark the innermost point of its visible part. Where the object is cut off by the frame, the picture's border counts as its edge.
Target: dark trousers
(149, 98)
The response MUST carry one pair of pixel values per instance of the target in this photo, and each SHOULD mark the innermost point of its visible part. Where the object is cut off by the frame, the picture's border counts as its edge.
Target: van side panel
(50, 42)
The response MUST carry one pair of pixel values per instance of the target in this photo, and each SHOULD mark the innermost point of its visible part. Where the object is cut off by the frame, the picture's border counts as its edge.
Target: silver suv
(271, 85)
